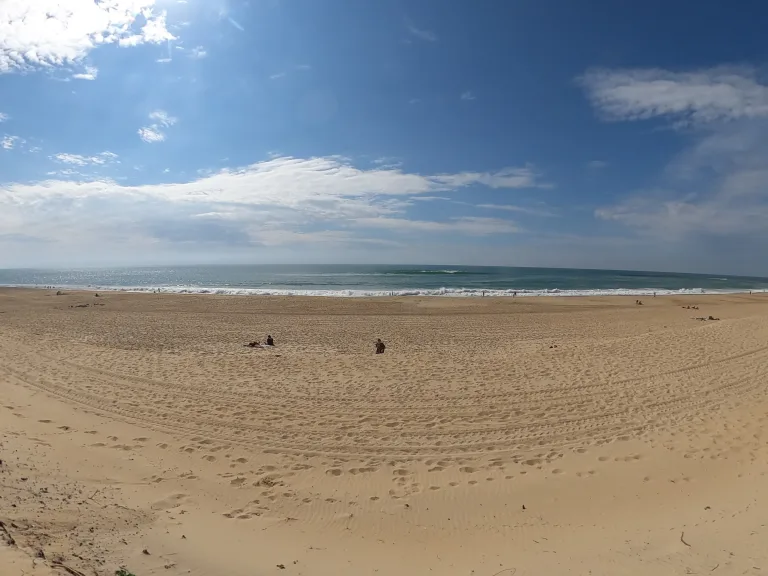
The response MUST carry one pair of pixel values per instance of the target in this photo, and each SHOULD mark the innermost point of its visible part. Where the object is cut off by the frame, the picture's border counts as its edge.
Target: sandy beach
(494, 437)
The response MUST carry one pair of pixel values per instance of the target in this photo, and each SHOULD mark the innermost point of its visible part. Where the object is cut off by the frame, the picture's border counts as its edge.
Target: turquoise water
(382, 280)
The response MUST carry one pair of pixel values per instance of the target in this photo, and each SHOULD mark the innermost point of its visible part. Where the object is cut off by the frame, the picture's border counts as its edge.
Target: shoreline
(401, 293)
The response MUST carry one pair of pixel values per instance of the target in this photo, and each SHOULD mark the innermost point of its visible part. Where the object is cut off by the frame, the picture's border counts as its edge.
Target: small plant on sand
(124, 572)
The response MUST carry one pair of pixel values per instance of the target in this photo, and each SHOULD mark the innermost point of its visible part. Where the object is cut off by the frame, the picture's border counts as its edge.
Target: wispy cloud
(48, 33)
(277, 76)
(467, 95)
(4, 117)
(280, 196)
(716, 187)
(153, 133)
(90, 74)
(519, 209)
(78, 160)
(235, 23)
(465, 225)
(420, 33)
(9, 142)
(163, 118)
(198, 53)
(702, 96)
(597, 164)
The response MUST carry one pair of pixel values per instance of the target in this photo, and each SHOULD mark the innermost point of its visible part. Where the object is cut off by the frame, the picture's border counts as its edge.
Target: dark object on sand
(713, 318)
(59, 293)
(253, 344)
(639, 302)
(380, 346)
(270, 340)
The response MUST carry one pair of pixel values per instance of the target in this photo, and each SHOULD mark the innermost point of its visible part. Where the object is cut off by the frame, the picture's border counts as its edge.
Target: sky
(599, 134)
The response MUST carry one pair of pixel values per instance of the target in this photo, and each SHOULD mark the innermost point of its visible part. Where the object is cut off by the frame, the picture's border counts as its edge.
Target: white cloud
(90, 74)
(4, 117)
(153, 132)
(519, 209)
(78, 160)
(282, 197)
(467, 95)
(466, 225)
(198, 53)
(150, 135)
(277, 76)
(506, 178)
(162, 118)
(236, 24)
(702, 96)
(422, 34)
(9, 142)
(717, 186)
(44, 33)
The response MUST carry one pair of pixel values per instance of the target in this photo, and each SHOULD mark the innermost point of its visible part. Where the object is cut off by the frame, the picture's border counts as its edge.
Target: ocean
(351, 280)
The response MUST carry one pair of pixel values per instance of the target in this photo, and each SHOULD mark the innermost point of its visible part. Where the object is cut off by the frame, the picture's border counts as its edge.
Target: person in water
(270, 341)
(380, 347)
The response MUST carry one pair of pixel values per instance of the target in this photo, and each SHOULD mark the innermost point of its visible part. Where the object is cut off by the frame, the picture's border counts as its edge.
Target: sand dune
(526, 436)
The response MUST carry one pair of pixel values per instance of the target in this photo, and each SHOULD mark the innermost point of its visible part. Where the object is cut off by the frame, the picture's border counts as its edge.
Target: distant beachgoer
(254, 344)
(514, 294)
(380, 347)
(654, 294)
(270, 340)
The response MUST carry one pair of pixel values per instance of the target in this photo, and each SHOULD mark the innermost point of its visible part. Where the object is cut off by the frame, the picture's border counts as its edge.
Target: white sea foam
(444, 292)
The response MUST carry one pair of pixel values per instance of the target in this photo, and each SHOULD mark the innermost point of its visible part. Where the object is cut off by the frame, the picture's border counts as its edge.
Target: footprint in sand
(169, 502)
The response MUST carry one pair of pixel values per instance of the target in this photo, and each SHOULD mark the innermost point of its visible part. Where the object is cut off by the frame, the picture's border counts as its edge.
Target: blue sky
(547, 133)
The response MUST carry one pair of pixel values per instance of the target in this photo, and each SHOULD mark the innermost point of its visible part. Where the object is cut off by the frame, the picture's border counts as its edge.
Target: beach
(495, 436)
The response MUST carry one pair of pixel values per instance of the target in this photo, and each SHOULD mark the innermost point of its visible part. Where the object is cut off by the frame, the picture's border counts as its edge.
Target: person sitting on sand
(270, 341)
(380, 347)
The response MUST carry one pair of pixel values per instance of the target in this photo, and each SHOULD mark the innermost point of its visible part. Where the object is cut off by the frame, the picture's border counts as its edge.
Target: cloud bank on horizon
(189, 131)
